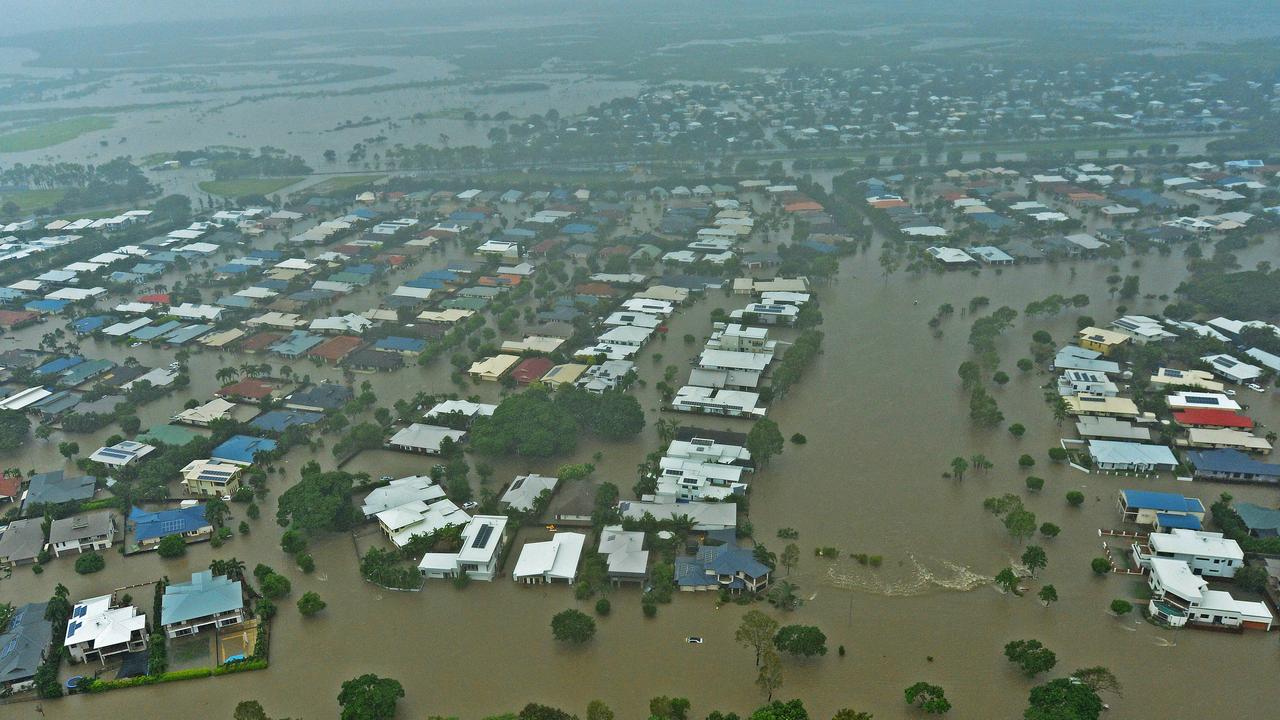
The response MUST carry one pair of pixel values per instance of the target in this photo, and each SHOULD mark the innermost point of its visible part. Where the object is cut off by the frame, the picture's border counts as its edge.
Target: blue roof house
(1146, 507)
(1228, 464)
(149, 528)
(721, 567)
(208, 601)
(241, 449)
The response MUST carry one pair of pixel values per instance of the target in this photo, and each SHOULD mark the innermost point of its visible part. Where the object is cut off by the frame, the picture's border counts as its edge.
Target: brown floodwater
(883, 413)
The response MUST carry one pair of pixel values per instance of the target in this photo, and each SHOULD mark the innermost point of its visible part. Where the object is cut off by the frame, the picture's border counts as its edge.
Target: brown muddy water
(883, 414)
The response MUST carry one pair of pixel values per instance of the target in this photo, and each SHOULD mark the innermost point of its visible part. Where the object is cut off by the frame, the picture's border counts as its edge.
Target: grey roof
(22, 646)
(79, 527)
(205, 595)
(53, 488)
(23, 540)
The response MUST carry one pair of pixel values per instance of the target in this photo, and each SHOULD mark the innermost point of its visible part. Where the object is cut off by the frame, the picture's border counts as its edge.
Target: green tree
(250, 710)
(800, 640)
(276, 586)
(597, 710)
(1007, 580)
(1026, 461)
(848, 714)
(1035, 484)
(1021, 523)
(1063, 699)
(1121, 607)
(1075, 498)
(668, 708)
(1048, 594)
(1035, 558)
(573, 626)
(769, 677)
(1031, 655)
(369, 697)
(1100, 565)
(764, 441)
(775, 710)
(1049, 530)
(930, 698)
(1252, 578)
(1017, 429)
(756, 631)
(216, 511)
(318, 501)
(310, 604)
(90, 562)
(14, 427)
(790, 556)
(958, 467)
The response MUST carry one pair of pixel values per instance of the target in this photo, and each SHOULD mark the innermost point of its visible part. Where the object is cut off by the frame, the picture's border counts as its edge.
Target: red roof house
(1212, 417)
(532, 369)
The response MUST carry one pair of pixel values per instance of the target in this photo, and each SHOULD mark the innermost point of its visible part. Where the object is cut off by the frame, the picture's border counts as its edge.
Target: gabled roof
(1167, 502)
(23, 644)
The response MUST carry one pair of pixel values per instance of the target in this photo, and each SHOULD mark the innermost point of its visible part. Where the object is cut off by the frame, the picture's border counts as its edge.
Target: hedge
(104, 685)
(100, 686)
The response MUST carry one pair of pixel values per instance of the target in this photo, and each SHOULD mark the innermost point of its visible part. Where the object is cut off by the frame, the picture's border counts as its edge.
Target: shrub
(306, 563)
(1035, 484)
(799, 439)
(310, 604)
(602, 606)
(265, 609)
(90, 562)
(1017, 430)
(276, 586)
(1050, 530)
(650, 609)
(1121, 607)
(1075, 498)
(172, 546)
(1100, 565)
(1057, 454)
(1026, 461)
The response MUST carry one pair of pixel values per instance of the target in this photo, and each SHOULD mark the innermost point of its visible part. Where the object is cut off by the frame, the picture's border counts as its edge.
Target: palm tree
(233, 568)
(226, 375)
(783, 596)
(249, 370)
(667, 430)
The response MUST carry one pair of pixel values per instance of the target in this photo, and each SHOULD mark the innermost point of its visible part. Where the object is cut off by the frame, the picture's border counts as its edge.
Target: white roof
(734, 360)
(706, 516)
(555, 559)
(1181, 541)
(525, 489)
(1128, 453)
(24, 398)
(1175, 576)
(466, 407)
(122, 329)
(1201, 400)
(479, 546)
(625, 550)
(204, 414)
(402, 491)
(94, 621)
(425, 437)
(122, 453)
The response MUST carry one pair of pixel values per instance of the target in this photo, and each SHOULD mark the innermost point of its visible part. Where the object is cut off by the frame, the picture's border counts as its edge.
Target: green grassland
(247, 186)
(54, 133)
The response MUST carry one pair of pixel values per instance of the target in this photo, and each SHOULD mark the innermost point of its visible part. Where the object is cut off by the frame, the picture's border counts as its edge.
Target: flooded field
(883, 413)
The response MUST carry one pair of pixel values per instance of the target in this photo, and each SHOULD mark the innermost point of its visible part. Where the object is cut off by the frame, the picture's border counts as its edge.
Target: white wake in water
(912, 578)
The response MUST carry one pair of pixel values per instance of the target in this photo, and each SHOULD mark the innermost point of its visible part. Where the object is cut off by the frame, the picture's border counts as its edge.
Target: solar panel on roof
(80, 611)
(482, 537)
(1173, 373)
(170, 526)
